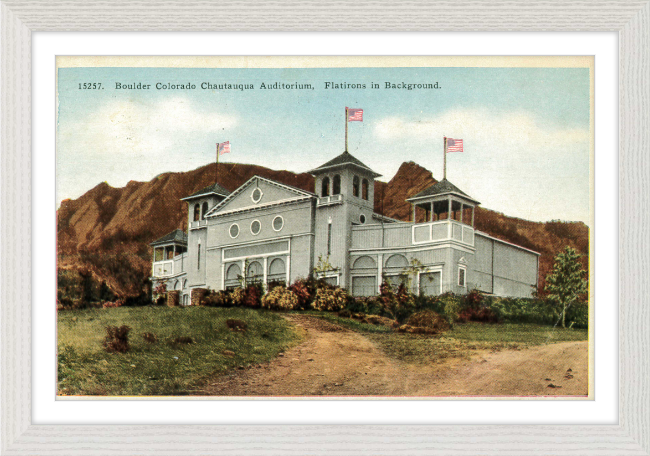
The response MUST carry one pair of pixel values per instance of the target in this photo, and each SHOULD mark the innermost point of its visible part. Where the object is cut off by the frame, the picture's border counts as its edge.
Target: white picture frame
(631, 436)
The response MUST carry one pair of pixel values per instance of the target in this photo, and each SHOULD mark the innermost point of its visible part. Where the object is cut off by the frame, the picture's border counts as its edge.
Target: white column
(265, 275)
(288, 266)
(243, 270)
(223, 276)
(380, 271)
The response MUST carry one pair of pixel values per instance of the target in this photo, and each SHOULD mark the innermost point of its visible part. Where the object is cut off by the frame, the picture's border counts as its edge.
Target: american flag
(454, 145)
(355, 115)
(223, 148)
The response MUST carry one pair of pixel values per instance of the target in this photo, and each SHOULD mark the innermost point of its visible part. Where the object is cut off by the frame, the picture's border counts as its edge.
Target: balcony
(330, 200)
(422, 233)
(163, 268)
(392, 235)
(198, 224)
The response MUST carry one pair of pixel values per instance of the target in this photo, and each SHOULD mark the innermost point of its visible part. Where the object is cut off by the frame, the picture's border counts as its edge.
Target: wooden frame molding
(18, 19)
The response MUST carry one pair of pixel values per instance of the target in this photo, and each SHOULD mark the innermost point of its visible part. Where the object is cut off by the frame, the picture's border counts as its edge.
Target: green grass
(461, 342)
(85, 368)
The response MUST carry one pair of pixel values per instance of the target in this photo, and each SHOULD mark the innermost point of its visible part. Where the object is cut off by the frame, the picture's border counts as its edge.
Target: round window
(256, 226)
(278, 223)
(256, 196)
(234, 230)
(362, 219)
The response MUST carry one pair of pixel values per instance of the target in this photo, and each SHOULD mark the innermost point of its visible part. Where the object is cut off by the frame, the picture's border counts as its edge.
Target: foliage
(236, 325)
(159, 291)
(451, 307)
(217, 299)
(567, 283)
(324, 265)
(330, 299)
(238, 296)
(480, 315)
(253, 296)
(399, 305)
(280, 298)
(117, 339)
(150, 338)
(301, 290)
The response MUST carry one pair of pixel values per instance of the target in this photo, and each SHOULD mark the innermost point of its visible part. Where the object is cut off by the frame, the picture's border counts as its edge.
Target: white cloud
(514, 133)
(138, 128)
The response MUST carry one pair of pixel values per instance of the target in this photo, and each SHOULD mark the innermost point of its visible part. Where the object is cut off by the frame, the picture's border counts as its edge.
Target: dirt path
(334, 361)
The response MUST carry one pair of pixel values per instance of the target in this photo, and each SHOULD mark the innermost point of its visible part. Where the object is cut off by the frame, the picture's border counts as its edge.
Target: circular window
(256, 226)
(256, 196)
(362, 219)
(278, 223)
(234, 230)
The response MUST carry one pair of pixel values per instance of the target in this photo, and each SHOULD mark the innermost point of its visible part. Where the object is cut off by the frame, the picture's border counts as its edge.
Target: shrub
(253, 296)
(450, 307)
(577, 315)
(238, 296)
(330, 299)
(117, 339)
(217, 299)
(280, 298)
(150, 338)
(428, 319)
(301, 290)
(473, 299)
(236, 325)
(482, 315)
(398, 305)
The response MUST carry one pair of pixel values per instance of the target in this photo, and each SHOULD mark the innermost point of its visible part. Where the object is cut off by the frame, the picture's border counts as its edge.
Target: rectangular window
(461, 277)
(329, 239)
(198, 257)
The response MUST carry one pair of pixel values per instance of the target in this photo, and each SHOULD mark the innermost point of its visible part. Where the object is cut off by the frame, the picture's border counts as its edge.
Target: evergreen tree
(567, 282)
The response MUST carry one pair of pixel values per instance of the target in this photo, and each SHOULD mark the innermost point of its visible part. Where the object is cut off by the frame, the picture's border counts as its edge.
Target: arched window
(204, 210)
(397, 261)
(325, 187)
(254, 273)
(355, 186)
(336, 187)
(364, 189)
(234, 271)
(364, 262)
(197, 212)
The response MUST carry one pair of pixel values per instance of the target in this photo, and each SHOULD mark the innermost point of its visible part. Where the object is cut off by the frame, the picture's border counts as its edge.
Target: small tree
(567, 282)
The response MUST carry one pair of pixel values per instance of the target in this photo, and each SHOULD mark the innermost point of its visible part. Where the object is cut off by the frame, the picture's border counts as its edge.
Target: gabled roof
(214, 189)
(177, 236)
(346, 158)
(441, 188)
(300, 193)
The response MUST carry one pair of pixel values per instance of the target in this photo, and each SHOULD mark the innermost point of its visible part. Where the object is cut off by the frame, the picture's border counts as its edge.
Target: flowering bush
(330, 299)
(280, 298)
(253, 295)
(117, 339)
(237, 296)
(301, 290)
(118, 303)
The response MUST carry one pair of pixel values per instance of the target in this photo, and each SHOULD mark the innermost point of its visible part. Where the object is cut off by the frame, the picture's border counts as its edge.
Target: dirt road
(334, 361)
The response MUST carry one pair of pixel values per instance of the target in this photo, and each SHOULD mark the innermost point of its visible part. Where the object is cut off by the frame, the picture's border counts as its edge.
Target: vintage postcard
(339, 227)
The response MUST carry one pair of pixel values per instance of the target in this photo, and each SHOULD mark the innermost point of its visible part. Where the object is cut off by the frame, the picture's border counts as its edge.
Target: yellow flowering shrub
(330, 299)
(280, 298)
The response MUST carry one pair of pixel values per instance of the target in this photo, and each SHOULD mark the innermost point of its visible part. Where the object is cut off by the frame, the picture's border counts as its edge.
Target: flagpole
(217, 179)
(346, 128)
(444, 166)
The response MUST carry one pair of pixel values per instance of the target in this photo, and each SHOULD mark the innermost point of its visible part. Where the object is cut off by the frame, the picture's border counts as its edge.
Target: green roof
(177, 236)
(210, 189)
(346, 158)
(441, 188)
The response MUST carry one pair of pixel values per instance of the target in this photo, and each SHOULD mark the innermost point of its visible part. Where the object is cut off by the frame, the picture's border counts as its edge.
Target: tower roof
(441, 188)
(345, 159)
(177, 236)
(214, 189)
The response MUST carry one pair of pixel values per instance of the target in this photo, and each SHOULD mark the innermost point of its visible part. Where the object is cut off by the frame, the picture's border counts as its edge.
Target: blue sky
(525, 130)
